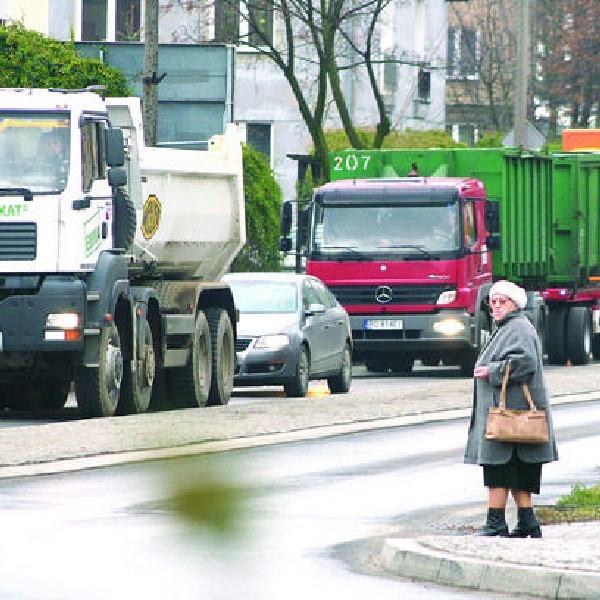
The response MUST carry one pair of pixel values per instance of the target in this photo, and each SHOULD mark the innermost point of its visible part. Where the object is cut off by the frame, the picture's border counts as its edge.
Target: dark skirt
(515, 475)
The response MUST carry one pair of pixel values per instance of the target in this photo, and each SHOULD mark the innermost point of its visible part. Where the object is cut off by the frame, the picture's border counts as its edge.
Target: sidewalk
(564, 564)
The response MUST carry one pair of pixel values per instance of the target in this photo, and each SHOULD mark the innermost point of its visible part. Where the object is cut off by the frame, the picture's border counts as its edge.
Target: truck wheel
(556, 338)
(466, 364)
(97, 388)
(190, 385)
(124, 221)
(298, 385)
(579, 340)
(54, 394)
(340, 383)
(376, 366)
(223, 356)
(138, 377)
(402, 364)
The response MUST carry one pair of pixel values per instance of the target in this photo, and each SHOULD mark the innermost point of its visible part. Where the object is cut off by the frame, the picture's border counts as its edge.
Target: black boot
(527, 524)
(495, 523)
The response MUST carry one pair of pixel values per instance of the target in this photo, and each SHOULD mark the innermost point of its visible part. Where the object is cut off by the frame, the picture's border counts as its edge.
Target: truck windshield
(422, 230)
(34, 151)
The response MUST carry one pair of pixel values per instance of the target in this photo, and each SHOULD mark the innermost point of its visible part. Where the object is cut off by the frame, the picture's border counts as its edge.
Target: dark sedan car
(291, 330)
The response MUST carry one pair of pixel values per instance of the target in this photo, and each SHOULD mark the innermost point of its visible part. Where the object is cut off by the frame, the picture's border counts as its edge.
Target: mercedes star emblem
(383, 294)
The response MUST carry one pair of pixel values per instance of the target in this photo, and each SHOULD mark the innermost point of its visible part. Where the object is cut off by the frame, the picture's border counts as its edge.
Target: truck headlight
(272, 342)
(449, 327)
(62, 327)
(447, 297)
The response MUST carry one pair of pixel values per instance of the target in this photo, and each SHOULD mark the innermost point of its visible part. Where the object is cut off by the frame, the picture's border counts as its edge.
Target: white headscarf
(512, 290)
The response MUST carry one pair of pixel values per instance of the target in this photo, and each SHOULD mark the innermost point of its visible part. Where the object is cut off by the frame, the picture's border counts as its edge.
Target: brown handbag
(507, 425)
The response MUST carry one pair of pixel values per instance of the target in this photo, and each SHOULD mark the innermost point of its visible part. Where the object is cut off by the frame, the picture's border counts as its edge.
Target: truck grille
(401, 294)
(18, 241)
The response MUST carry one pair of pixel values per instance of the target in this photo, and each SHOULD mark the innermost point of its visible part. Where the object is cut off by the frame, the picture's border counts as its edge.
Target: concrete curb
(407, 558)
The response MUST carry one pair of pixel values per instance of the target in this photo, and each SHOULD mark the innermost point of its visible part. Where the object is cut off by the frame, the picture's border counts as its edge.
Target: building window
(260, 22)
(111, 20)
(93, 20)
(227, 22)
(128, 20)
(258, 137)
(463, 53)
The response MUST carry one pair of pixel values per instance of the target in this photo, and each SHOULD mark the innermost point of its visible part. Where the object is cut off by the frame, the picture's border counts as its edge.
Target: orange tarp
(577, 140)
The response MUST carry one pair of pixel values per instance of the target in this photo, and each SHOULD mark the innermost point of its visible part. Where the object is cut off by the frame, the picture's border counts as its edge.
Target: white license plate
(383, 324)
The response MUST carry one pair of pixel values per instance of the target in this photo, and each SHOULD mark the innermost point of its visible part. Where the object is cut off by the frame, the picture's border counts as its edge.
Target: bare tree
(315, 44)
(486, 48)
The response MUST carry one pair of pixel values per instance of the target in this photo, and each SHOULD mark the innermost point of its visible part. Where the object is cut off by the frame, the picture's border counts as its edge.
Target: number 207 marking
(351, 162)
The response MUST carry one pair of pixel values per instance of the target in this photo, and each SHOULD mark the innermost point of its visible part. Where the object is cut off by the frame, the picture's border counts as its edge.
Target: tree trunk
(150, 75)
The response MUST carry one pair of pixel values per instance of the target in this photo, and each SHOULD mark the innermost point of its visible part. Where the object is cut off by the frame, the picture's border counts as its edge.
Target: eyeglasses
(500, 301)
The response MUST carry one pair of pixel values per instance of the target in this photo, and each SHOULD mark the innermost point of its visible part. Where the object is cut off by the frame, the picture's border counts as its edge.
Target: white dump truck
(111, 254)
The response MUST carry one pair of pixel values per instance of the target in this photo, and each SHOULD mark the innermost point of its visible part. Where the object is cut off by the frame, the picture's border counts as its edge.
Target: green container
(549, 219)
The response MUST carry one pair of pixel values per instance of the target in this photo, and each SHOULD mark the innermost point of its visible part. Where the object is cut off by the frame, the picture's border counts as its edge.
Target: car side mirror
(115, 151)
(315, 309)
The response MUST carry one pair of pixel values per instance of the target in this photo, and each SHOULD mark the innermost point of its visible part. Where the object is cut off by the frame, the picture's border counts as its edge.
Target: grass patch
(582, 504)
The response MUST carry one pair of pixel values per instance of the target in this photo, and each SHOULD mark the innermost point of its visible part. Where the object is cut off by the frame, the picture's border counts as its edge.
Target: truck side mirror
(115, 152)
(286, 218)
(303, 220)
(492, 216)
(285, 244)
(117, 176)
(492, 242)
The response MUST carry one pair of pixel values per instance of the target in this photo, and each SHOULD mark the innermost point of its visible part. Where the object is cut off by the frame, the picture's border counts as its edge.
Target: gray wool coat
(514, 340)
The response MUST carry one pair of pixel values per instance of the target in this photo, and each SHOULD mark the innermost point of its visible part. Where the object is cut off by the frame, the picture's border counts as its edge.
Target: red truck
(410, 261)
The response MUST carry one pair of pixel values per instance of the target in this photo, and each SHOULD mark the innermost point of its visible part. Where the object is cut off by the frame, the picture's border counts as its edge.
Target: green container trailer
(550, 219)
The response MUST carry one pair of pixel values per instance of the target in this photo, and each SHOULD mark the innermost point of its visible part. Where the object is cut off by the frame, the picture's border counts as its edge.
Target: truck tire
(138, 377)
(54, 394)
(402, 364)
(579, 340)
(298, 385)
(189, 386)
(556, 335)
(98, 388)
(223, 356)
(124, 221)
(340, 383)
(376, 365)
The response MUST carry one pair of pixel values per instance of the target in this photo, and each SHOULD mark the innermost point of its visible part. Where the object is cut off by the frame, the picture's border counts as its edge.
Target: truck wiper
(18, 191)
(354, 251)
(420, 249)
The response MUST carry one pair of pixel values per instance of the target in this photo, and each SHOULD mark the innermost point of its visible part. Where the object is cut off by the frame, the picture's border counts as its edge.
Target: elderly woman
(507, 466)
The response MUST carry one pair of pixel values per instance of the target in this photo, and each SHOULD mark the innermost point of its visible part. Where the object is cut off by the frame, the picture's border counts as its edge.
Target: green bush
(491, 139)
(29, 59)
(263, 207)
(581, 496)
(337, 139)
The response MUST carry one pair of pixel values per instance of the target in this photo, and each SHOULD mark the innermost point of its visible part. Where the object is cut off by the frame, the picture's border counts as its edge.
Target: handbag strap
(525, 387)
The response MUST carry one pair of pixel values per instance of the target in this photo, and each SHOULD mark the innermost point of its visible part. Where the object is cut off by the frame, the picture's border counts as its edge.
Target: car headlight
(447, 297)
(63, 320)
(272, 342)
(449, 327)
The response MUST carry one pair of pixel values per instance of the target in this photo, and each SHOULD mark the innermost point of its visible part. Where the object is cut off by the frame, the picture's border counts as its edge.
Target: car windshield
(264, 296)
(34, 151)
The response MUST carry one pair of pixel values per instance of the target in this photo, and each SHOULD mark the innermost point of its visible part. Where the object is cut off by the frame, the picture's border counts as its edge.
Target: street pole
(521, 71)
(150, 76)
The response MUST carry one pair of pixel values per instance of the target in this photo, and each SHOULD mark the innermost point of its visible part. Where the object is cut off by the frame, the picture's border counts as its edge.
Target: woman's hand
(481, 372)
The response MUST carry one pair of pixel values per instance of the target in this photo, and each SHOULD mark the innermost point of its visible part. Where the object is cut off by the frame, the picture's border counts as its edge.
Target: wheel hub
(114, 367)
(148, 366)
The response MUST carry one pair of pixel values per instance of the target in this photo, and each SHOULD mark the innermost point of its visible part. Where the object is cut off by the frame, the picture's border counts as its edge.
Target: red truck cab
(409, 260)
